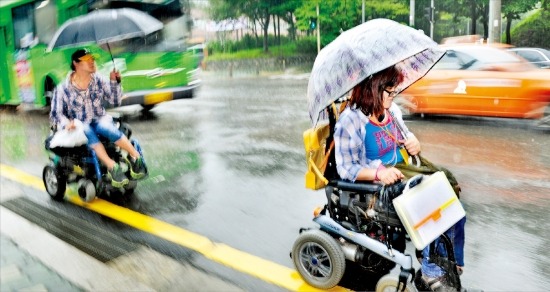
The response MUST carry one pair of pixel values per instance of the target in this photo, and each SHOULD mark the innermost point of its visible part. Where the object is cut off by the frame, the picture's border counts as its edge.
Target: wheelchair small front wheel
(389, 283)
(86, 190)
(55, 183)
(319, 259)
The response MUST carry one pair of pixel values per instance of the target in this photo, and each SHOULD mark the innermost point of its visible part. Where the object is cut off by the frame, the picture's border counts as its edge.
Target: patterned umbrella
(103, 26)
(362, 51)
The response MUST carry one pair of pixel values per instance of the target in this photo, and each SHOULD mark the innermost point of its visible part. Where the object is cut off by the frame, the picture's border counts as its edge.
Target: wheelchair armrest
(356, 186)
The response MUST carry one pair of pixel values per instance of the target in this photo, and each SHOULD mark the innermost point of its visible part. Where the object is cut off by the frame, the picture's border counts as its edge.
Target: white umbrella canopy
(365, 50)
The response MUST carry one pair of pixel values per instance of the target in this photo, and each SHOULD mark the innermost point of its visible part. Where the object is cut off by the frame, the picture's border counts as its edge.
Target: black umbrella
(103, 26)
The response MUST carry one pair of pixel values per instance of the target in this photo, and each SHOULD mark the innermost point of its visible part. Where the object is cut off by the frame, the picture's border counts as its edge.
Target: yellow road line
(21, 177)
(255, 266)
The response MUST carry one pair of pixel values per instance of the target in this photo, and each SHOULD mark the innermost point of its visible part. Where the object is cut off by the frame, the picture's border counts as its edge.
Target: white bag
(69, 139)
(428, 209)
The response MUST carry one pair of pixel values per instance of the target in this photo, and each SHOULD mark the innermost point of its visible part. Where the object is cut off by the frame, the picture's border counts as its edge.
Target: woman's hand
(412, 145)
(389, 175)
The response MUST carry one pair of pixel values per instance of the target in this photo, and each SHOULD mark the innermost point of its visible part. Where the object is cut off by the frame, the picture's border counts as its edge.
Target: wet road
(229, 165)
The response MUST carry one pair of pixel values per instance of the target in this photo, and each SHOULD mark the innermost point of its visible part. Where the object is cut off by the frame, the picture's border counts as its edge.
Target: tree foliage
(452, 17)
(534, 31)
(223, 9)
(513, 9)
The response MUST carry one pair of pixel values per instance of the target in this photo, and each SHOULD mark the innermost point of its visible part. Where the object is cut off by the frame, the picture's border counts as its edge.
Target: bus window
(46, 21)
(26, 29)
(23, 25)
(154, 42)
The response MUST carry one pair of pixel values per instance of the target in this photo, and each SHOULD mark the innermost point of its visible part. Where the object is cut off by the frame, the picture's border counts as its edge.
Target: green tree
(512, 9)
(478, 11)
(456, 13)
(258, 11)
(223, 9)
(533, 31)
(336, 16)
(285, 9)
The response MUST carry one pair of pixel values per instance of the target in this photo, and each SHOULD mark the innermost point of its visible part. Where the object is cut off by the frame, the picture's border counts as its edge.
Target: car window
(482, 58)
(454, 60)
(531, 55)
(490, 55)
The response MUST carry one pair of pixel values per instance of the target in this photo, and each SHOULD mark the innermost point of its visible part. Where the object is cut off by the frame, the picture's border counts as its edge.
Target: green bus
(154, 69)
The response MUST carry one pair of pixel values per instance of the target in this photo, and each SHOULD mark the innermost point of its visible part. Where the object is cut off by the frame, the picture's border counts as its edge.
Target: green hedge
(247, 42)
(250, 48)
(534, 31)
(306, 46)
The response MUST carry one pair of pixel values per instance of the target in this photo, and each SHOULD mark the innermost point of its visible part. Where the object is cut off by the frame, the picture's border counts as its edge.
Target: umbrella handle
(416, 160)
(112, 59)
(409, 159)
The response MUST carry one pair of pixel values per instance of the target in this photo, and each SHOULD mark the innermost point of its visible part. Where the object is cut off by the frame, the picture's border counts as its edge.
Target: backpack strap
(333, 118)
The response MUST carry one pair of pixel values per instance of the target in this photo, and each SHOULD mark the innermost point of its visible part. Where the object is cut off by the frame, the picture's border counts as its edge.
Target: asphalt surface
(503, 164)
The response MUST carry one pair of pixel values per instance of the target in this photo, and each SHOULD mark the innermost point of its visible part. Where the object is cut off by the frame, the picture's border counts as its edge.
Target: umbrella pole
(401, 129)
(112, 59)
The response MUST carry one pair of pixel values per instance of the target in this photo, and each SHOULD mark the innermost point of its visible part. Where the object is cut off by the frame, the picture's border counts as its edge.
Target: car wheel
(389, 283)
(545, 120)
(54, 182)
(319, 259)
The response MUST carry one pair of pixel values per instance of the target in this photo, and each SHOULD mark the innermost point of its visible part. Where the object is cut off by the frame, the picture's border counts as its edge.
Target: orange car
(480, 80)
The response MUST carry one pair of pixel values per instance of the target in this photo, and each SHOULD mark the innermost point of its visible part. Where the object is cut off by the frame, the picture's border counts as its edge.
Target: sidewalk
(19, 271)
(31, 259)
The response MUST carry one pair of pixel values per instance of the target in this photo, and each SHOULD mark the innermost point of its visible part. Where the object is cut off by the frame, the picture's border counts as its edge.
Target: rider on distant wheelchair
(81, 98)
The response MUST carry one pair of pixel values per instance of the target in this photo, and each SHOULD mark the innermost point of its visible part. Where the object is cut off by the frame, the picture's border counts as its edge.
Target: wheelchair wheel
(130, 188)
(319, 259)
(54, 182)
(86, 190)
(388, 283)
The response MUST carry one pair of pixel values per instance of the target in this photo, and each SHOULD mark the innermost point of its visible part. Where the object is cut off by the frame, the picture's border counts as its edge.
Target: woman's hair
(367, 96)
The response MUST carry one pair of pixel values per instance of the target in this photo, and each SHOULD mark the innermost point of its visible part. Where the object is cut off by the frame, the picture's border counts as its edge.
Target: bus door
(24, 34)
(4, 82)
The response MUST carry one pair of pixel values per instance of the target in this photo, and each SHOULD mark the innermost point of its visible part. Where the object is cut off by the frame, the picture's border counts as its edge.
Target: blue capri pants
(103, 127)
(456, 235)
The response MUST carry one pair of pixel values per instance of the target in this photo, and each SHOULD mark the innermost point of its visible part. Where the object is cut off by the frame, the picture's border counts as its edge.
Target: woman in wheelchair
(367, 148)
(81, 97)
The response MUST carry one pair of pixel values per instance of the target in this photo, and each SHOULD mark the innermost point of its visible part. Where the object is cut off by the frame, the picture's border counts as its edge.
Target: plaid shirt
(349, 142)
(69, 103)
